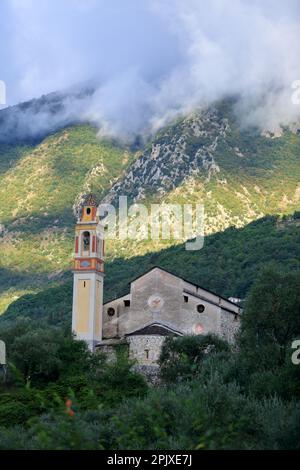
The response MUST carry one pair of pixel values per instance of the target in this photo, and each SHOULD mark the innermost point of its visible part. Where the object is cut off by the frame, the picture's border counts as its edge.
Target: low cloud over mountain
(145, 62)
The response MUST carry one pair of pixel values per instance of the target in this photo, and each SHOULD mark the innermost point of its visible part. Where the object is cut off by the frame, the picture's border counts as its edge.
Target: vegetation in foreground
(58, 396)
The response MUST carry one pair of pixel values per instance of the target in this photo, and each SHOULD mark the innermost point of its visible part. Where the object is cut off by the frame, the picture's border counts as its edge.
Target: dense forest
(211, 396)
(228, 264)
(239, 175)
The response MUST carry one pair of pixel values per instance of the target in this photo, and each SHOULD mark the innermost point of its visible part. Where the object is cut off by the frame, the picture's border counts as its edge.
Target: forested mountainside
(228, 264)
(238, 174)
(212, 396)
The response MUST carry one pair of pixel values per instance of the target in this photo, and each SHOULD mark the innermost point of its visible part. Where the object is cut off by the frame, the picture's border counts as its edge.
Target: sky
(150, 60)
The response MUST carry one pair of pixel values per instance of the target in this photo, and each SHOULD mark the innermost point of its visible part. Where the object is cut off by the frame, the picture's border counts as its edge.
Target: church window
(88, 211)
(200, 308)
(147, 353)
(126, 303)
(185, 298)
(86, 241)
(110, 311)
(235, 317)
(83, 283)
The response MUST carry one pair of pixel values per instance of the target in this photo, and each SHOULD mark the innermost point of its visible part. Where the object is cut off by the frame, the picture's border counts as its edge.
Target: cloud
(148, 61)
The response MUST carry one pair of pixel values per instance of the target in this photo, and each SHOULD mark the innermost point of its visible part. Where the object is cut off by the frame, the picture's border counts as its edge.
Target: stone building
(158, 303)
(161, 304)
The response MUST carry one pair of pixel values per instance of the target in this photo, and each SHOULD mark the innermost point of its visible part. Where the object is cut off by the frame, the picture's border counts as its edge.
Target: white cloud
(155, 58)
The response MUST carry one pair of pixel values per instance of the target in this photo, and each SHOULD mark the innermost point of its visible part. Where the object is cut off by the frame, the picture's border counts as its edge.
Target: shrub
(182, 357)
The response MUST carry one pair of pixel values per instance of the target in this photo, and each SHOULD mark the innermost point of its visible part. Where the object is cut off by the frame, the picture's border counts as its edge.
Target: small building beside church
(158, 303)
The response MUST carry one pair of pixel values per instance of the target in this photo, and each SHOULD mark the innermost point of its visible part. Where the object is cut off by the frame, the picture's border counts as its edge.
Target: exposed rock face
(178, 152)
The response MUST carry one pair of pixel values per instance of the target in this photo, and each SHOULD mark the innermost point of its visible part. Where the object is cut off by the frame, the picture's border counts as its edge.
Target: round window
(200, 308)
(110, 311)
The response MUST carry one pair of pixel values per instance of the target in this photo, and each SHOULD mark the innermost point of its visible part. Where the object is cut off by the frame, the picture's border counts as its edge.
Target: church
(157, 304)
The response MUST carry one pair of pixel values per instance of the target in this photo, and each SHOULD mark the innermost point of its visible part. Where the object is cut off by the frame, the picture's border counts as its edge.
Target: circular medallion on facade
(198, 328)
(155, 302)
(85, 264)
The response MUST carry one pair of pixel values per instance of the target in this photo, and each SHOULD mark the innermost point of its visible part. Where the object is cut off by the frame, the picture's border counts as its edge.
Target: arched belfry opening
(86, 242)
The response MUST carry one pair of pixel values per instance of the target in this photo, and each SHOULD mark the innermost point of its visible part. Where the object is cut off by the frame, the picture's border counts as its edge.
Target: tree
(271, 320)
(44, 354)
(182, 357)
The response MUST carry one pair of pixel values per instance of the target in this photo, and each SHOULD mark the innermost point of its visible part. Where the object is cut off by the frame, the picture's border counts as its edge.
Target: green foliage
(271, 320)
(215, 398)
(18, 405)
(182, 357)
(39, 185)
(237, 255)
(204, 414)
(42, 354)
(47, 366)
(115, 381)
(41, 180)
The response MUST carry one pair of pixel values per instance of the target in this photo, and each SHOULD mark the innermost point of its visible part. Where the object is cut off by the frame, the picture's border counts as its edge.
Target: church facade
(158, 303)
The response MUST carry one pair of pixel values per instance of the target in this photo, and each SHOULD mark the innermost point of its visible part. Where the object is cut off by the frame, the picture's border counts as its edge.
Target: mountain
(33, 120)
(228, 264)
(239, 175)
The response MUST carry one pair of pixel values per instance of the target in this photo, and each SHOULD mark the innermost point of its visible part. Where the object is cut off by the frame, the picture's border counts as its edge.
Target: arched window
(86, 241)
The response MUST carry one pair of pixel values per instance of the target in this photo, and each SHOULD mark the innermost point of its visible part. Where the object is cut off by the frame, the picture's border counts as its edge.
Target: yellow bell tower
(88, 275)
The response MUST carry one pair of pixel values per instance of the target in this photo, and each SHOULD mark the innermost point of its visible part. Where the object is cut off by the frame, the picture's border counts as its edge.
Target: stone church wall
(229, 325)
(163, 298)
(155, 297)
(145, 348)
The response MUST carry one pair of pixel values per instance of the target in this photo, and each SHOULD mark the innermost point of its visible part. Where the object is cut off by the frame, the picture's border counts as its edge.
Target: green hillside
(249, 185)
(40, 185)
(228, 264)
(239, 176)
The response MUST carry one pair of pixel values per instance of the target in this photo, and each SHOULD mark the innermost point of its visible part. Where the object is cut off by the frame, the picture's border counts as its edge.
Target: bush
(204, 413)
(271, 320)
(115, 381)
(182, 357)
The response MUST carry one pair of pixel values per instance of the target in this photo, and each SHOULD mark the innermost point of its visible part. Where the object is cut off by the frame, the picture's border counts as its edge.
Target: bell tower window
(86, 241)
(88, 211)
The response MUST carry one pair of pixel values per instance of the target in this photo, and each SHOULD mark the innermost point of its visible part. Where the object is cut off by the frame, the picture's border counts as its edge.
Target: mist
(130, 66)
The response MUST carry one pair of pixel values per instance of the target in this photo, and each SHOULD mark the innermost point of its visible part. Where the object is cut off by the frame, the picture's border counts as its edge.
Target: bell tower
(88, 275)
